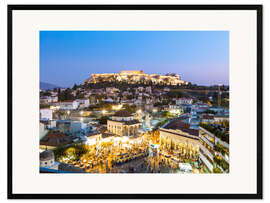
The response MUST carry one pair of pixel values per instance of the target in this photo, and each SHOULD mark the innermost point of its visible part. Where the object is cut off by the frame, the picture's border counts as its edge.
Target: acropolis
(134, 76)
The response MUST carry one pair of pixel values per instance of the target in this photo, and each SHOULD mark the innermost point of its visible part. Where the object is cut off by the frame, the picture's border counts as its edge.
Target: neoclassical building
(177, 136)
(123, 123)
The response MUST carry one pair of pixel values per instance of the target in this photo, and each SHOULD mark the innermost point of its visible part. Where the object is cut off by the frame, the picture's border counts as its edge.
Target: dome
(46, 155)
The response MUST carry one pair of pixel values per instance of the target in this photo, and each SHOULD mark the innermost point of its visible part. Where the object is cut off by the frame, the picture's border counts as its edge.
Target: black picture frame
(257, 8)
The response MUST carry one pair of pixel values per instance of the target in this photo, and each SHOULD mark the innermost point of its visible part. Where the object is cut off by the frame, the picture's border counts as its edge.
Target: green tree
(59, 152)
(65, 95)
(44, 106)
(166, 114)
(217, 170)
(75, 86)
(103, 120)
(129, 108)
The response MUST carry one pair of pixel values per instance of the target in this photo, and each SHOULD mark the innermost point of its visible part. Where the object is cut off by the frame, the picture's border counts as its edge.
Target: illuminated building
(93, 138)
(122, 123)
(135, 76)
(46, 114)
(84, 103)
(175, 110)
(181, 101)
(178, 136)
(68, 105)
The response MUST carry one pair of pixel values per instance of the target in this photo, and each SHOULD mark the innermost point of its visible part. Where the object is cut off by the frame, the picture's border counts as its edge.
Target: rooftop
(207, 116)
(180, 125)
(69, 168)
(55, 138)
(132, 122)
(123, 113)
(92, 133)
(46, 155)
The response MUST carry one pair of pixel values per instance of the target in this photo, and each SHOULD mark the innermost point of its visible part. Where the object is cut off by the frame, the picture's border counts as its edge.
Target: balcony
(206, 162)
(206, 141)
(206, 151)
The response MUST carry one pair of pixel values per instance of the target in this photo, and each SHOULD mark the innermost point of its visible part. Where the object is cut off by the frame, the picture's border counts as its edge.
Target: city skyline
(68, 57)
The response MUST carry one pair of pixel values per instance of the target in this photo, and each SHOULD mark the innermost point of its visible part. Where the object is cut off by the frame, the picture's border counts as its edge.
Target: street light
(104, 111)
(81, 113)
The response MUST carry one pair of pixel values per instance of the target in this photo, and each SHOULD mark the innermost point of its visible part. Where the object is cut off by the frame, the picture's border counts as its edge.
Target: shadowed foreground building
(54, 139)
(49, 165)
(46, 159)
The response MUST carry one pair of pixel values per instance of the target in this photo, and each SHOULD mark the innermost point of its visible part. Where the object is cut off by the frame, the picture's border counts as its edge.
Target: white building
(84, 103)
(53, 99)
(93, 138)
(54, 94)
(69, 105)
(175, 110)
(181, 101)
(42, 130)
(111, 90)
(46, 114)
(48, 124)
(166, 89)
(52, 124)
(123, 123)
(109, 100)
(148, 89)
(48, 99)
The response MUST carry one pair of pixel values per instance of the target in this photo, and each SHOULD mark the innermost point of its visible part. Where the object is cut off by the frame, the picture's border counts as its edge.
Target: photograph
(134, 101)
(166, 100)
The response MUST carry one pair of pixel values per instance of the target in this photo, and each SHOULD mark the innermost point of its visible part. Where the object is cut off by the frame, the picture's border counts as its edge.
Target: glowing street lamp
(104, 111)
(68, 112)
(81, 113)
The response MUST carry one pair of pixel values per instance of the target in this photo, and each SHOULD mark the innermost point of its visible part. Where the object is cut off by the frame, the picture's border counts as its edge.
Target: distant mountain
(47, 86)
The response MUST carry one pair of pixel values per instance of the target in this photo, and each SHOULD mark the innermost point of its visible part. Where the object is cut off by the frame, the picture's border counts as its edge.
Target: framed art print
(135, 101)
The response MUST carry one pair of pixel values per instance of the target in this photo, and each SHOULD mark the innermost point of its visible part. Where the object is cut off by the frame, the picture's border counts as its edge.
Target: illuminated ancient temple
(134, 76)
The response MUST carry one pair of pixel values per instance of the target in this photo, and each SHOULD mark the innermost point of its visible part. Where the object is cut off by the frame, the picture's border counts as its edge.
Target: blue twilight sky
(68, 57)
